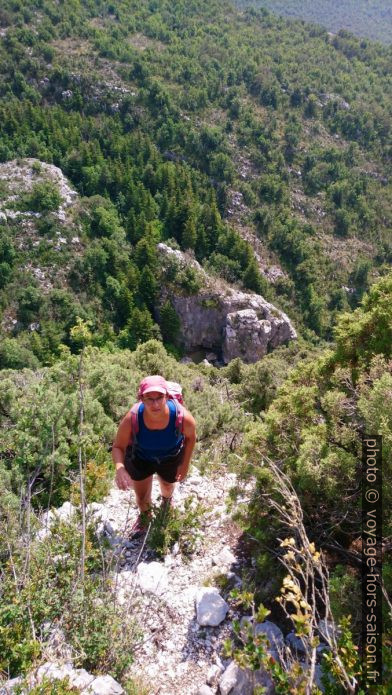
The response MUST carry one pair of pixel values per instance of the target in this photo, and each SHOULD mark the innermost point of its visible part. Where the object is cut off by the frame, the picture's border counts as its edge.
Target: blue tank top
(158, 444)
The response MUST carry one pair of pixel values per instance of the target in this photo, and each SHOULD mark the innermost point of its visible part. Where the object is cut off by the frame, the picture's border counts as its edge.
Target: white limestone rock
(152, 578)
(213, 674)
(205, 690)
(103, 685)
(225, 557)
(211, 608)
(238, 681)
(224, 320)
(235, 681)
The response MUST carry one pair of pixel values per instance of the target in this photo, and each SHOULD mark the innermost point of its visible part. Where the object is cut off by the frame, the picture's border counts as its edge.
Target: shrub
(44, 197)
(13, 355)
(170, 526)
(52, 591)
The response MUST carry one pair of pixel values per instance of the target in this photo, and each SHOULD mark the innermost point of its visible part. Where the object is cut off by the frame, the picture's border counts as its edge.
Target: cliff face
(225, 320)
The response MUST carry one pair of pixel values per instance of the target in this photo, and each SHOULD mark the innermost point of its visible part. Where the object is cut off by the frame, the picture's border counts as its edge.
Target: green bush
(13, 355)
(44, 197)
(171, 525)
(52, 591)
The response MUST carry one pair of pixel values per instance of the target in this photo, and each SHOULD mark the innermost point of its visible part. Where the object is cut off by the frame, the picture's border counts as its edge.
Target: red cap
(152, 383)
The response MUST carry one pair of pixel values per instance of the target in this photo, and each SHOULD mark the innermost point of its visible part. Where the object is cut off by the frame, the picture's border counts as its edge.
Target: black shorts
(140, 470)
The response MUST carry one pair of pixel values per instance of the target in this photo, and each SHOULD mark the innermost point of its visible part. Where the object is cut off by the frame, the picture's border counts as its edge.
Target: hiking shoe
(141, 524)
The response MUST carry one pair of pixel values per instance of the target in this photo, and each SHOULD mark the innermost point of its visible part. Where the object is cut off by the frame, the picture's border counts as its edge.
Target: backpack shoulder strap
(134, 421)
(179, 423)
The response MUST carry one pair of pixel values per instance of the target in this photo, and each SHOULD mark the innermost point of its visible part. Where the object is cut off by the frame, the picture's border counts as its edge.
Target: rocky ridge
(223, 319)
(19, 177)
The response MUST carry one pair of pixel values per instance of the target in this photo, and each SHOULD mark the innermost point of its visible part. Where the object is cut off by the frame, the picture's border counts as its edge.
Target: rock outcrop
(20, 176)
(225, 320)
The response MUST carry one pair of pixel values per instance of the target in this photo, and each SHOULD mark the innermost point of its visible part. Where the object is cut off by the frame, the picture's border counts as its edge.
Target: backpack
(175, 395)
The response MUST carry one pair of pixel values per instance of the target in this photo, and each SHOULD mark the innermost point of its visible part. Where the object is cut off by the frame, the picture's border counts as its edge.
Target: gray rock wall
(225, 320)
(235, 324)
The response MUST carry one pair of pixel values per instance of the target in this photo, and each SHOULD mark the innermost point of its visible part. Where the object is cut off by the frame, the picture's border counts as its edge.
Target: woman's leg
(143, 493)
(167, 489)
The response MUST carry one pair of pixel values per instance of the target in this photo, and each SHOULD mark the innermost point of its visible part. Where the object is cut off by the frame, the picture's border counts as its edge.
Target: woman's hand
(182, 471)
(123, 479)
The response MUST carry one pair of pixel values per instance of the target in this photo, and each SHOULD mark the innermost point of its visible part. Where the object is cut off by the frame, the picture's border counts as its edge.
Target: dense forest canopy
(193, 123)
(368, 18)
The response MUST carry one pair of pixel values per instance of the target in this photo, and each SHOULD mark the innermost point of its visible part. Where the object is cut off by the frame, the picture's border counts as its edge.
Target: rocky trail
(179, 601)
(180, 653)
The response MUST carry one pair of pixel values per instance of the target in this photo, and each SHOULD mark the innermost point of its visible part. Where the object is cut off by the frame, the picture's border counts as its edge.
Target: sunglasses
(151, 401)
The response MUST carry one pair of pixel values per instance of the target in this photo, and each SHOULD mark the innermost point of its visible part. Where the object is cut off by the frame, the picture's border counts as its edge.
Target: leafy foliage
(313, 431)
(49, 592)
(170, 526)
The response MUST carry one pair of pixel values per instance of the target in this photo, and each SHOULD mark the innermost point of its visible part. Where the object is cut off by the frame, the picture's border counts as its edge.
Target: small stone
(234, 681)
(205, 690)
(211, 357)
(104, 685)
(213, 674)
(211, 609)
(224, 557)
(152, 577)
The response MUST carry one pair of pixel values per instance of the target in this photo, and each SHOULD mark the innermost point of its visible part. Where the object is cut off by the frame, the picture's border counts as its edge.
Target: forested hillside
(260, 146)
(367, 18)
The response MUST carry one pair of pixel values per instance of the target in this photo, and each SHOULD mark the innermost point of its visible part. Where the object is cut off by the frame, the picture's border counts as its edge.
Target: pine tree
(139, 329)
(148, 287)
(189, 234)
(170, 322)
(252, 278)
(145, 254)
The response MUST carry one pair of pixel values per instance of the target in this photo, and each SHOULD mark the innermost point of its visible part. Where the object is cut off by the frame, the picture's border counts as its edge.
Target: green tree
(13, 355)
(139, 328)
(253, 279)
(148, 287)
(44, 197)
(170, 323)
(189, 235)
(368, 330)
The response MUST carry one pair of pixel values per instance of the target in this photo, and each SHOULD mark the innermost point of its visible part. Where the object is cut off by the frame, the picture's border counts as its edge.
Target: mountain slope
(369, 19)
(200, 125)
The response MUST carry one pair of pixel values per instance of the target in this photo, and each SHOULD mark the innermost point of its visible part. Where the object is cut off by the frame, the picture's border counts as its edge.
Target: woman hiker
(160, 446)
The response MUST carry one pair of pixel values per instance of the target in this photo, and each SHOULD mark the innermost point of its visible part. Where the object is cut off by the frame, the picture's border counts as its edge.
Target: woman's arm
(189, 429)
(120, 444)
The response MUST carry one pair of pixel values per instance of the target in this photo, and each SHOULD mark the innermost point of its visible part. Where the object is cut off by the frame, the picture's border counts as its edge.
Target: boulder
(272, 632)
(211, 608)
